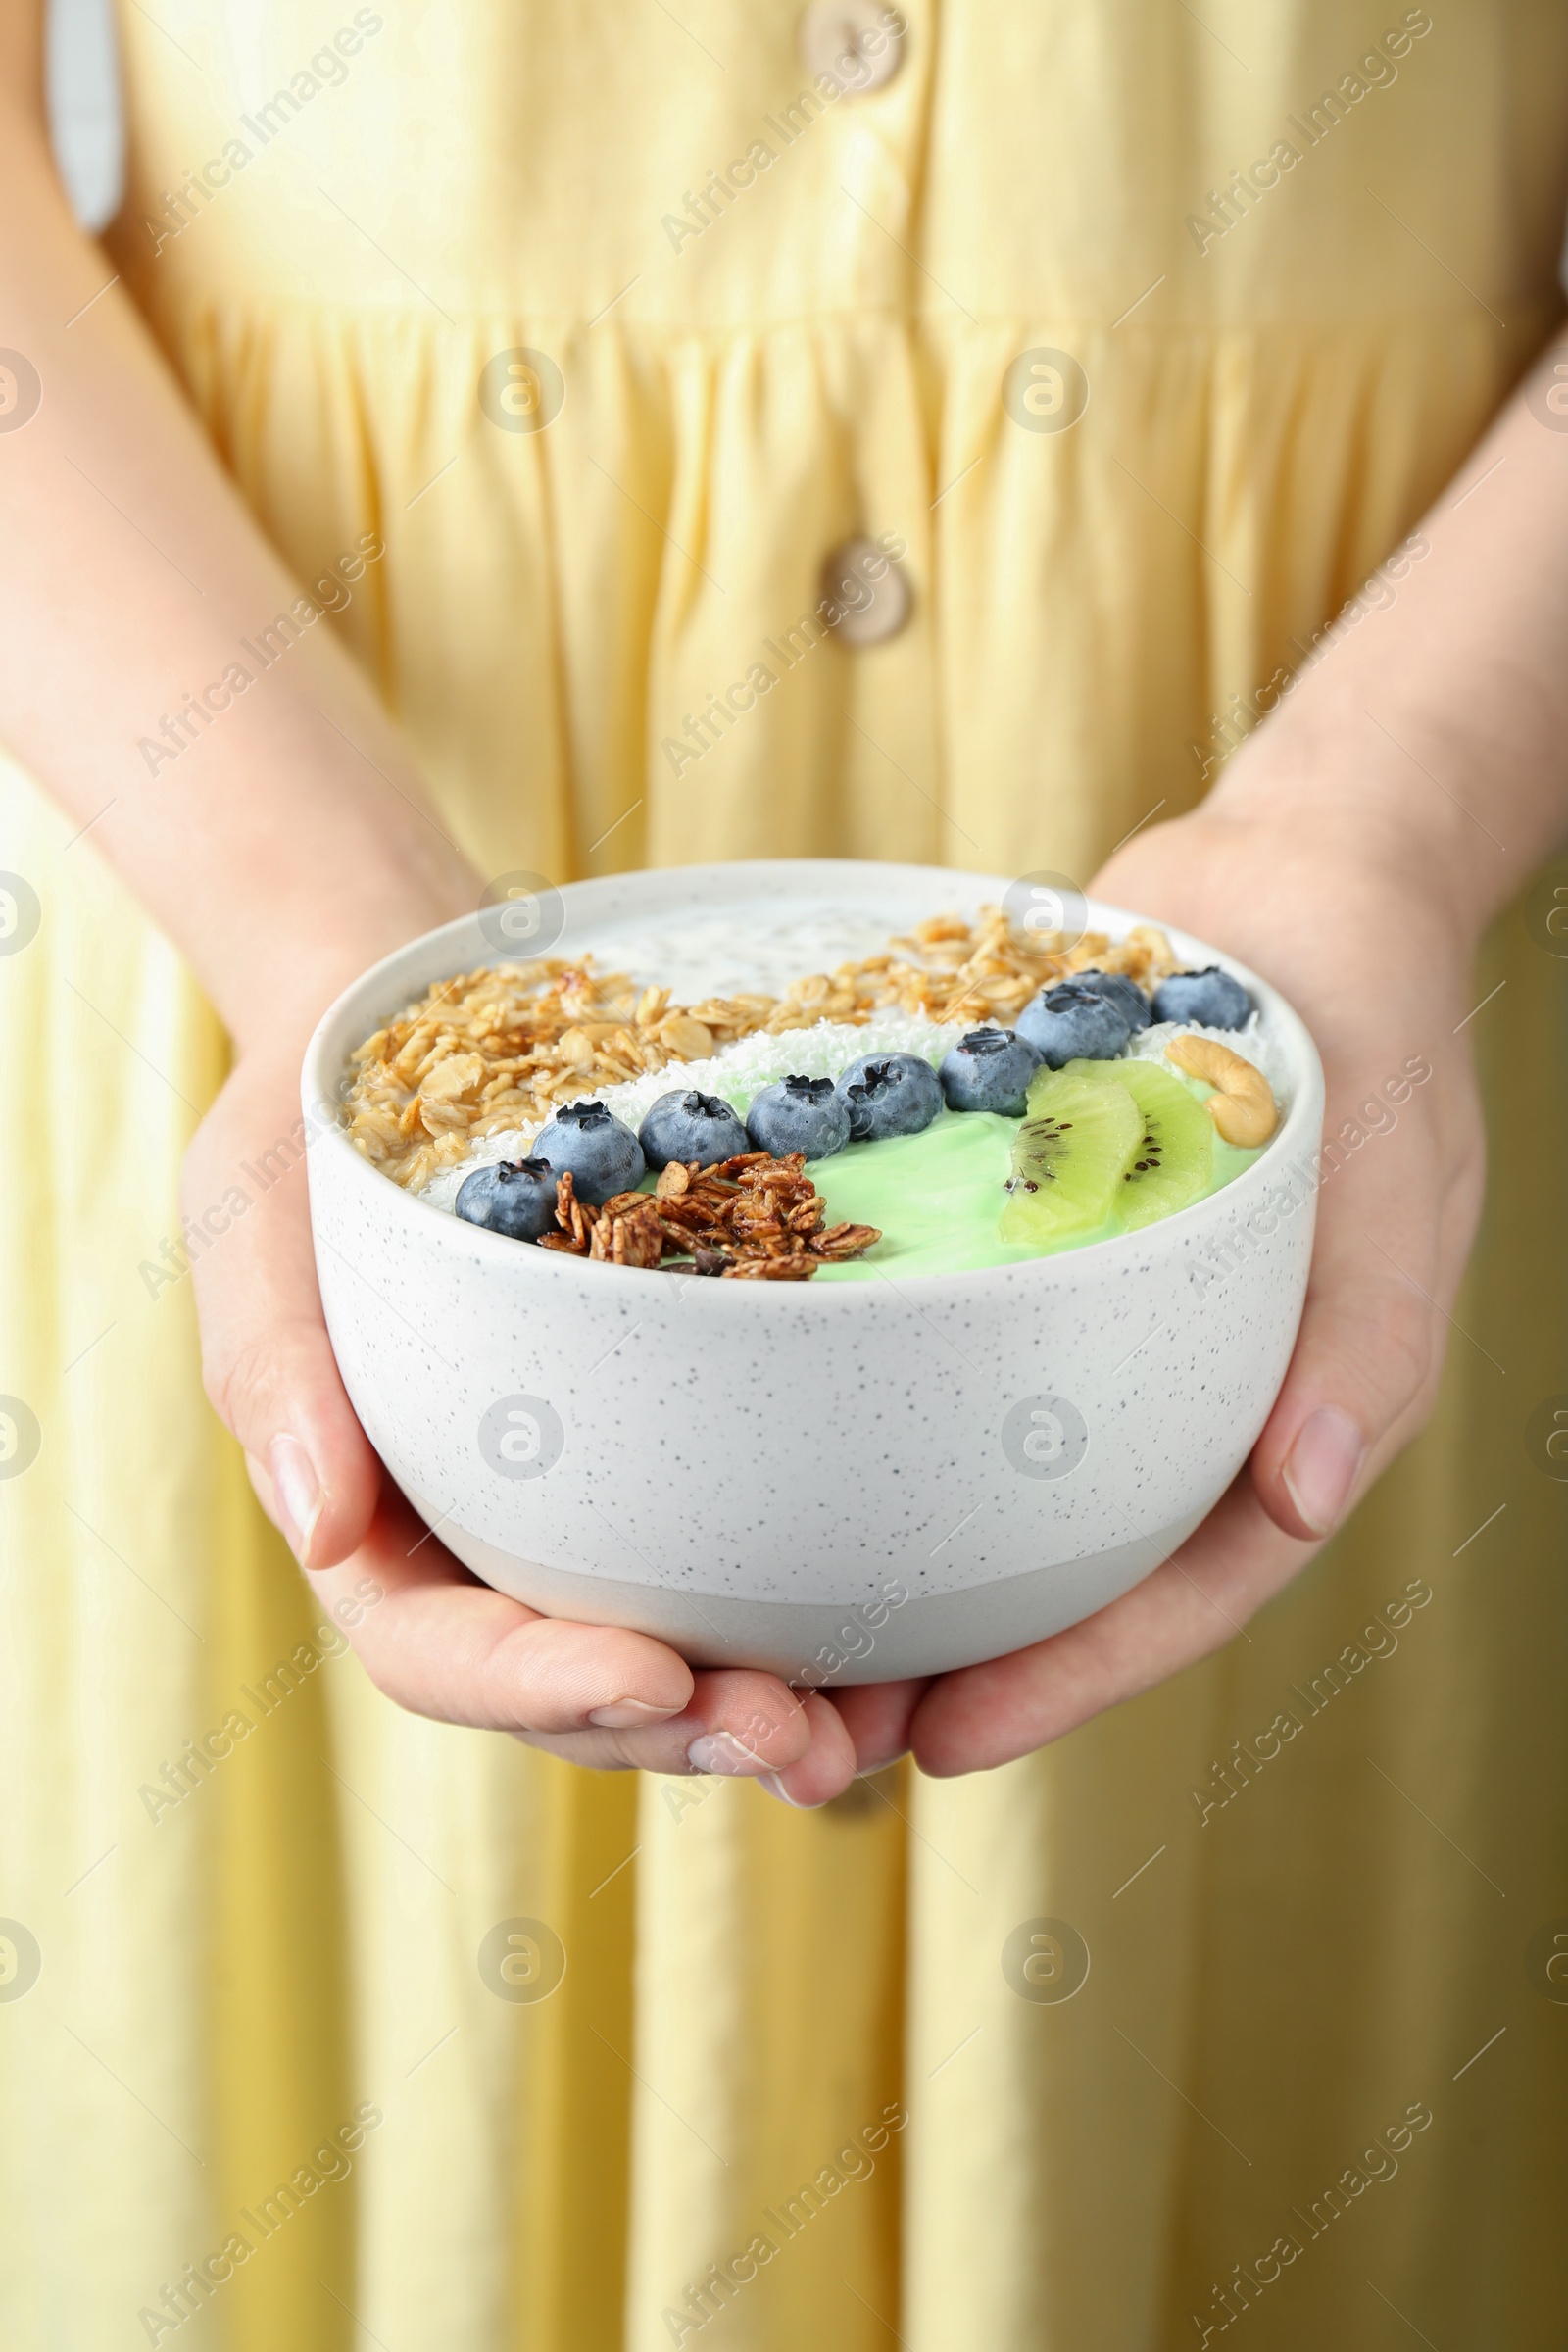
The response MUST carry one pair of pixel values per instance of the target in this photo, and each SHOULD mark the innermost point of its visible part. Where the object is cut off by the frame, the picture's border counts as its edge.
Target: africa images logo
(522, 1437)
(1045, 1437)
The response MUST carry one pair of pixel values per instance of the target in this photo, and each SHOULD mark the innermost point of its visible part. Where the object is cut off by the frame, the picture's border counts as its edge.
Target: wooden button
(871, 591)
(858, 42)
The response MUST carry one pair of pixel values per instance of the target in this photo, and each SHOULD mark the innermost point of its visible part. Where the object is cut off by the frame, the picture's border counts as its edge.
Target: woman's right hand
(125, 533)
(436, 1640)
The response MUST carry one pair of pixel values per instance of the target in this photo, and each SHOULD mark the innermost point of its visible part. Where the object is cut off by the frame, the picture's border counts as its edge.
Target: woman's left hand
(1379, 969)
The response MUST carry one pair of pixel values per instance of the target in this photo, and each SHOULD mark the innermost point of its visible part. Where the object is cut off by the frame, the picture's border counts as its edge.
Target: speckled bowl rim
(431, 956)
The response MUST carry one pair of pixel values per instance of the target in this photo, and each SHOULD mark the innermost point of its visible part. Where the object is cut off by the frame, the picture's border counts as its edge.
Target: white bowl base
(928, 1634)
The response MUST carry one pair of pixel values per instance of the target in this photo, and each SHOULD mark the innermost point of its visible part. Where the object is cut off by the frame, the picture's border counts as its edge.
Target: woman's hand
(1380, 973)
(219, 823)
(1353, 853)
(436, 1640)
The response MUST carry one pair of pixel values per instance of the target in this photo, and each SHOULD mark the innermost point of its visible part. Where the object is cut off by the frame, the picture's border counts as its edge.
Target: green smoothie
(936, 1198)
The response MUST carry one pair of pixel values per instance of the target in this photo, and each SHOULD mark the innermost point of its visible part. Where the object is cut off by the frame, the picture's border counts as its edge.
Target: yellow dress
(1144, 426)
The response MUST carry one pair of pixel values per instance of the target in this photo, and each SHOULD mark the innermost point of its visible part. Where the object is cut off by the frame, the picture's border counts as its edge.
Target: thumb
(266, 1361)
(1369, 1355)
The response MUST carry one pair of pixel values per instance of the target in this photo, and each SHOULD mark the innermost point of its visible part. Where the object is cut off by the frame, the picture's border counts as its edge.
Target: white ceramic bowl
(842, 1482)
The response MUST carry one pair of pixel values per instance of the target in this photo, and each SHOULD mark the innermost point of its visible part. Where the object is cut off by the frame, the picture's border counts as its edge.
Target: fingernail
(720, 1752)
(621, 1714)
(1321, 1468)
(771, 1782)
(296, 1493)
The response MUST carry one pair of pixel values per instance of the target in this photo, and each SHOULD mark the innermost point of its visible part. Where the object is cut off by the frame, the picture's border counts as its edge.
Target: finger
(744, 1725)
(877, 1718)
(1200, 1600)
(827, 1766)
(266, 1361)
(1390, 1250)
(441, 1644)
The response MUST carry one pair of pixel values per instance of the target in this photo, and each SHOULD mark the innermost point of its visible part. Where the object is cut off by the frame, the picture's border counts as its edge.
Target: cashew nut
(1241, 1106)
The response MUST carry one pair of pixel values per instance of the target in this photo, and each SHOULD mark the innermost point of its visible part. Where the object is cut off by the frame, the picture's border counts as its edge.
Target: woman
(590, 338)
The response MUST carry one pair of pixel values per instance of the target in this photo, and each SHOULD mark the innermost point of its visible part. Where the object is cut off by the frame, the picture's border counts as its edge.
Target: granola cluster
(502, 1048)
(752, 1218)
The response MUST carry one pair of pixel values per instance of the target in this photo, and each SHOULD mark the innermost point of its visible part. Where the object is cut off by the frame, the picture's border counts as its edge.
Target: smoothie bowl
(823, 1266)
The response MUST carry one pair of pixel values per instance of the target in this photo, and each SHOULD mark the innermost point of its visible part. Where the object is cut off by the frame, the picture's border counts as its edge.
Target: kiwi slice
(1174, 1162)
(1068, 1156)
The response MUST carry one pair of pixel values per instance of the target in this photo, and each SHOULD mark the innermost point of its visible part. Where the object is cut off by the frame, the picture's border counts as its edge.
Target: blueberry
(1126, 995)
(516, 1196)
(687, 1125)
(990, 1070)
(1073, 1023)
(799, 1114)
(889, 1094)
(604, 1156)
(1210, 997)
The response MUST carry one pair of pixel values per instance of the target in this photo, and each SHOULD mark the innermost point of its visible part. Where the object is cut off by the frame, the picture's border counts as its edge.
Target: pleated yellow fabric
(333, 237)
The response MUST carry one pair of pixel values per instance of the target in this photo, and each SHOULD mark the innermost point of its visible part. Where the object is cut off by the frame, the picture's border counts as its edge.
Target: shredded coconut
(1253, 1044)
